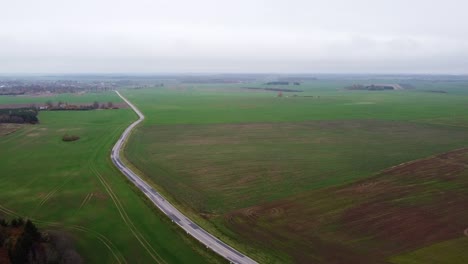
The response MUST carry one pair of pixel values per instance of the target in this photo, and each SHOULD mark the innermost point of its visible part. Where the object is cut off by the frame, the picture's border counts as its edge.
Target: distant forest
(19, 116)
(66, 106)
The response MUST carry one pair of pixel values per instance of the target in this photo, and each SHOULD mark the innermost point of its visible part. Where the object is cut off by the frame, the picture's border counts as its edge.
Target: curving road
(158, 200)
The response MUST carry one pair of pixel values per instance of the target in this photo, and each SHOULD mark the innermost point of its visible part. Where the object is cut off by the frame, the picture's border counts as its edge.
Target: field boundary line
(418, 160)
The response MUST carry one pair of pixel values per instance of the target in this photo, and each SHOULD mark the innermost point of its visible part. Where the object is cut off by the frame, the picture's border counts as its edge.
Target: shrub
(67, 138)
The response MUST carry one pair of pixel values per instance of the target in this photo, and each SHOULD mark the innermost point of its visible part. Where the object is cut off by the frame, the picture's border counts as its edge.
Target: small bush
(67, 138)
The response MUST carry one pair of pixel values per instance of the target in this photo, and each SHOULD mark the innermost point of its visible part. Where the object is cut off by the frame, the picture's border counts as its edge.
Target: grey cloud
(234, 36)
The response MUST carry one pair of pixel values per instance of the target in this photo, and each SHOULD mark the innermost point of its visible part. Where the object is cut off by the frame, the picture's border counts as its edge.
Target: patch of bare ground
(443, 166)
(291, 227)
(208, 215)
(405, 228)
(403, 208)
(6, 129)
(100, 195)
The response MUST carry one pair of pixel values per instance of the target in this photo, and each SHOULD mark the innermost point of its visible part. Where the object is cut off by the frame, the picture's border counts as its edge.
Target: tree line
(18, 238)
(49, 105)
(19, 116)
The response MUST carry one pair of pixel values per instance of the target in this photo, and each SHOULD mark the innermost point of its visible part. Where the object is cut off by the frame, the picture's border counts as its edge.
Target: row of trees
(66, 106)
(19, 116)
(17, 87)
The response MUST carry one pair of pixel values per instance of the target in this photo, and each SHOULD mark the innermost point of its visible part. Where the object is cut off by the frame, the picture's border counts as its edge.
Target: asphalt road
(159, 201)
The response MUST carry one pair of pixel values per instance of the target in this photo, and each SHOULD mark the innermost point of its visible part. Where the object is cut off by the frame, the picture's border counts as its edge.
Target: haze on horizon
(160, 36)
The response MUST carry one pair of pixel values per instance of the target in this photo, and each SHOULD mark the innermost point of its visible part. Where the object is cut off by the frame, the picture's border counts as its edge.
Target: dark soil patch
(100, 195)
(401, 228)
(403, 208)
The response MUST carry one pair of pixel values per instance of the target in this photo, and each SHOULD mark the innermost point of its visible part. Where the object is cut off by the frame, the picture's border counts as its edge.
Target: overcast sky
(303, 36)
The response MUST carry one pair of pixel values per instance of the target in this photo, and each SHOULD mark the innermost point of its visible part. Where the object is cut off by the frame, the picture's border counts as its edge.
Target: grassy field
(270, 174)
(398, 211)
(72, 187)
(218, 168)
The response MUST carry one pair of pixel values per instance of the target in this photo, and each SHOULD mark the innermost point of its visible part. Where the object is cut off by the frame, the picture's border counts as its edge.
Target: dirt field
(6, 129)
(404, 208)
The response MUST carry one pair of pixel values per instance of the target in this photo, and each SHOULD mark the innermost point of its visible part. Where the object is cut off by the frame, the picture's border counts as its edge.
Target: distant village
(22, 87)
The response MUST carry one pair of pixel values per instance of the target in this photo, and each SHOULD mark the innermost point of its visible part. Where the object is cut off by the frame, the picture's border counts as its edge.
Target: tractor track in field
(103, 239)
(191, 228)
(86, 199)
(55, 190)
(120, 208)
(18, 133)
(116, 201)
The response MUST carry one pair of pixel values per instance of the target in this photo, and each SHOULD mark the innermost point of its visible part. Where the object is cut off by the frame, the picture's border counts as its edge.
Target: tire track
(22, 131)
(127, 220)
(191, 228)
(103, 239)
(86, 199)
(56, 189)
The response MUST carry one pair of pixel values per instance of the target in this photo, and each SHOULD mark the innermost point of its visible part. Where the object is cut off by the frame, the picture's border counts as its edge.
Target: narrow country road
(158, 200)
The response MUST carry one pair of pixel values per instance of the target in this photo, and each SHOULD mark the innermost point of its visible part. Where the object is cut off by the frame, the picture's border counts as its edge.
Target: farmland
(309, 178)
(72, 187)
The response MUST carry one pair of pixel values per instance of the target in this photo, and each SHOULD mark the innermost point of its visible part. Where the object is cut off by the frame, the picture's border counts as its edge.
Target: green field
(73, 188)
(251, 166)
